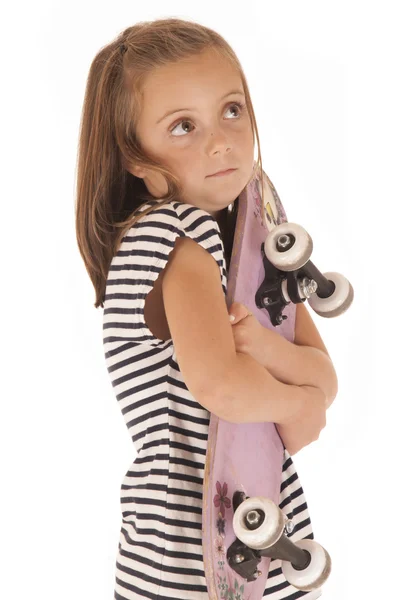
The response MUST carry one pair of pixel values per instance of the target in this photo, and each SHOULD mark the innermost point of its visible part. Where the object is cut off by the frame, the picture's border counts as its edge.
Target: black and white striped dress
(160, 548)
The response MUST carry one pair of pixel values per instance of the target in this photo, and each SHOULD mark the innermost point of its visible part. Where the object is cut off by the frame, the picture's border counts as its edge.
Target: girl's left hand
(249, 335)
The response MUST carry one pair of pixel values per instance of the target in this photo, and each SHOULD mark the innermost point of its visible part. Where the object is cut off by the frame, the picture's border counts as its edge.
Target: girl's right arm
(232, 385)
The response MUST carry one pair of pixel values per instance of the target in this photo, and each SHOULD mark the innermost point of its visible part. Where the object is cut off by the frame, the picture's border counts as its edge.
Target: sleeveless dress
(160, 548)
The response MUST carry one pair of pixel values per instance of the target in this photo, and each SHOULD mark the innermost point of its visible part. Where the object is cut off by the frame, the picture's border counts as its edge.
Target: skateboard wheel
(297, 241)
(339, 301)
(270, 529)
(315, 574)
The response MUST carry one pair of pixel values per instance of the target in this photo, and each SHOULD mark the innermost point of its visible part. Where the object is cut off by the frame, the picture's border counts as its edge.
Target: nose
(218, 142)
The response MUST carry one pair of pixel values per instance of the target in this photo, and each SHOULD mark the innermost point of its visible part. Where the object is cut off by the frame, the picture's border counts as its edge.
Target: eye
(239, 106)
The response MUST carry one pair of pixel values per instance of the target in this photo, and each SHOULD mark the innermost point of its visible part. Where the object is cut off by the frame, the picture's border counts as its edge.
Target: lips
(222, 172)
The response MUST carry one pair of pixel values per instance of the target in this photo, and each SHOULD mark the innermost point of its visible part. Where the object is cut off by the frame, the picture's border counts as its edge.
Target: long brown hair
(107, 194)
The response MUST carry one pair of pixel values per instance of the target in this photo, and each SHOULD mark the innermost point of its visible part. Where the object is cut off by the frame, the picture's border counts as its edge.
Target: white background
(325, 82)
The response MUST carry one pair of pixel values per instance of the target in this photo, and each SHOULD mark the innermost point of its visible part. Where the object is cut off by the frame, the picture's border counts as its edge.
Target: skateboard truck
(279, 288)
(261, 526)
(245, 560)
(290, 276)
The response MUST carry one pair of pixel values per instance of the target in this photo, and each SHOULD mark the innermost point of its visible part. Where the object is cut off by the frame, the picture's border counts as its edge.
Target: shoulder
(178, 219)
(199, 225)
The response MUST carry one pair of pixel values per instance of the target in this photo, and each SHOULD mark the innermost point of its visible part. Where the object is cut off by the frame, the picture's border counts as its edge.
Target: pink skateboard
(242, 527)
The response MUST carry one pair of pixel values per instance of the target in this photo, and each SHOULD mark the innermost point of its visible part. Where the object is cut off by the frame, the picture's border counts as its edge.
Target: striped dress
(160, 547)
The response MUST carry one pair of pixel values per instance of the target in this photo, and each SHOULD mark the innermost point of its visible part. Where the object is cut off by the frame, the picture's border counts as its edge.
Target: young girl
(167, 106)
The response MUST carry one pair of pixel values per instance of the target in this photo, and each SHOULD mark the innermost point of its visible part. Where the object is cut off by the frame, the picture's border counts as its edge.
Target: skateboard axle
(244, 560)
(325, 288)
(285, 242)
(285, 549)
(254, 519)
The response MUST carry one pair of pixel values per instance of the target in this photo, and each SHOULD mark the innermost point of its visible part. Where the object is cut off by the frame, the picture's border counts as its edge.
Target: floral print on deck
(220, 550)
(220, 500)
(228, 585)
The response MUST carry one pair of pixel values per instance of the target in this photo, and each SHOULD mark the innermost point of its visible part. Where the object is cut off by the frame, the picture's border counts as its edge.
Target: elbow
(226, 408)
(332, 388)
(220, 403)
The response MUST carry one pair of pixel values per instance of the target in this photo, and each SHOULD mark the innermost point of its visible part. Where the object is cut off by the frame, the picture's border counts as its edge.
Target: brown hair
(107, 194)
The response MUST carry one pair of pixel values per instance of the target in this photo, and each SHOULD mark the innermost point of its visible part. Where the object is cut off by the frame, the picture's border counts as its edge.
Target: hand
(305, 427)
(250, 336)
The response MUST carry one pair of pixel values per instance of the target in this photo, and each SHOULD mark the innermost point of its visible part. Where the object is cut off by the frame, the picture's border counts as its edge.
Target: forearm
(301, 365)
(249, 393)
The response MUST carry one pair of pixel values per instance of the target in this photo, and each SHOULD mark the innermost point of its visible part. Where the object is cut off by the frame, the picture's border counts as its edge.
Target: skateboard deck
(245, 457)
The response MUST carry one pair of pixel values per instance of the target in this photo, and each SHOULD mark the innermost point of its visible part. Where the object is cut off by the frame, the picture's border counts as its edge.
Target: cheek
(249, 136)
(244, 139)
(183, 164)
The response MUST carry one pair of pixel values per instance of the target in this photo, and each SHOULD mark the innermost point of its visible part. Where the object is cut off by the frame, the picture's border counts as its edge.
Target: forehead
(204, 77)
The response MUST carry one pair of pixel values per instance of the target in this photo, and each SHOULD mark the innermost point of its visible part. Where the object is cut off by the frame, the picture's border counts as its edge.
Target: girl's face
(208, 132)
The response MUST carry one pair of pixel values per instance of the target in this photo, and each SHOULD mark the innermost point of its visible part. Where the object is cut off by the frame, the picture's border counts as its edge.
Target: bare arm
(304, 362)
(301, 365)
(250, 394)
(232, 385)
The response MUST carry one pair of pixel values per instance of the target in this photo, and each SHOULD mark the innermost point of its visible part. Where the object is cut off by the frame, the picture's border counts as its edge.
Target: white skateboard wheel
(315, 574)
(296, 256)
(269, 531)
(340, 300)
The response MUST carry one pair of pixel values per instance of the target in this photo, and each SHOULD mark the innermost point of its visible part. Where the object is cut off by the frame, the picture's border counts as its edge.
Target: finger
(234, 311)
(236, 308)
(238, 311)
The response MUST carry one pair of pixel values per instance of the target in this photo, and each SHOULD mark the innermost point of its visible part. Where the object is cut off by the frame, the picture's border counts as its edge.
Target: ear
(138, 172)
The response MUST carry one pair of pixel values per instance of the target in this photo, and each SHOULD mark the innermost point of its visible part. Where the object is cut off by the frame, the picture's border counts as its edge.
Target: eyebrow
(180, 109)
